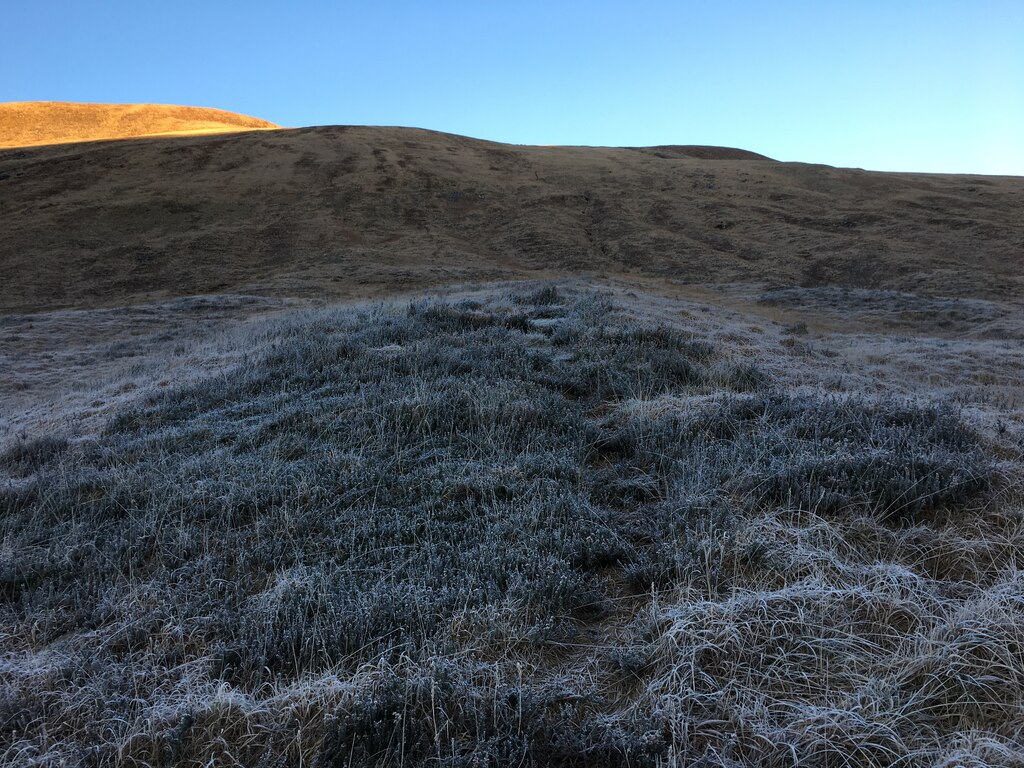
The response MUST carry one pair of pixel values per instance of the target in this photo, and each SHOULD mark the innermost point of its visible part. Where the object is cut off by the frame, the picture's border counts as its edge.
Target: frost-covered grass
(525, 530)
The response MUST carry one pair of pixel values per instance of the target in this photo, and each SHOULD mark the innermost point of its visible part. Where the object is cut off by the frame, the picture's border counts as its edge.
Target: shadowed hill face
(34, 123)
(702, 153)
(356, 211)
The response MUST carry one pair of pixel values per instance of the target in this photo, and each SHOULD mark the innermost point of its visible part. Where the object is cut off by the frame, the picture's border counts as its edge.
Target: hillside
(360, 211)
(34, 123)
(471, 454)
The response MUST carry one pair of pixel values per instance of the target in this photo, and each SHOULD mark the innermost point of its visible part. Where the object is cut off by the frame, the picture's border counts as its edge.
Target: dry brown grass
(357, 212)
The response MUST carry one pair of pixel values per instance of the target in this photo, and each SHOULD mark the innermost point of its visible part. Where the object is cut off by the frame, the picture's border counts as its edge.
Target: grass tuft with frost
(525, 530)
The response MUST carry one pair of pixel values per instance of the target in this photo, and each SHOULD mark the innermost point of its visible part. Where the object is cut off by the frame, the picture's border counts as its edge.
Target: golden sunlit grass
(36, 123)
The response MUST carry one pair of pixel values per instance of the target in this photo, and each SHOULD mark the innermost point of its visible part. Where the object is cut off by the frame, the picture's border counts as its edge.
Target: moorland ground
(352, 212)
(543, 524)
(691, 509)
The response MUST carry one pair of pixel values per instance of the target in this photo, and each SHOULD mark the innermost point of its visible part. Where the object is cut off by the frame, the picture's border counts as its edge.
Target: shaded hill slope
(357, 210)
(34, 123)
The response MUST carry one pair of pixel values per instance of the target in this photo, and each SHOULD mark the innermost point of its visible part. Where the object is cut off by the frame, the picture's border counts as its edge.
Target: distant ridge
(37, 123)
(699, 152)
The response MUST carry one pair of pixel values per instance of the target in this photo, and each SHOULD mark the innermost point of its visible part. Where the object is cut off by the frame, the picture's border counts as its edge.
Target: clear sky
(926, 85)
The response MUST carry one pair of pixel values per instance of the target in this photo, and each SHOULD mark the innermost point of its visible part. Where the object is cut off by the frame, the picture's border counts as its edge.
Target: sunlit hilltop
(34, 123)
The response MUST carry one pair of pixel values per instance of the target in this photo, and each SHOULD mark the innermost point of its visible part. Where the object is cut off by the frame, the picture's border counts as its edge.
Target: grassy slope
(528, 531)
(354, 211)
(34, 123)
(532, 530)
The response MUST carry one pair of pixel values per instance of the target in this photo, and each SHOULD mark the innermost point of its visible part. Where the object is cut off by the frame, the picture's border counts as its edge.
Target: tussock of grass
(29, 455)
(518, 531)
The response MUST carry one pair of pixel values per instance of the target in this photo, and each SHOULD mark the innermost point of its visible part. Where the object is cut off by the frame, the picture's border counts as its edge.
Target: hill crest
(350, 211)
(39, 123)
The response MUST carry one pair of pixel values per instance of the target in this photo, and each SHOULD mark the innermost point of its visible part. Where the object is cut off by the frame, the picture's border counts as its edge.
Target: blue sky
(925, 85)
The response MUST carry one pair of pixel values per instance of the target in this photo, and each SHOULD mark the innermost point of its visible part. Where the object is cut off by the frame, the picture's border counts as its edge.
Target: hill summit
(35, 123)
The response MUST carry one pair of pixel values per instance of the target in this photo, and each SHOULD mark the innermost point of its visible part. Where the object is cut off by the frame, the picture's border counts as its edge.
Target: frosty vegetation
(526, 530)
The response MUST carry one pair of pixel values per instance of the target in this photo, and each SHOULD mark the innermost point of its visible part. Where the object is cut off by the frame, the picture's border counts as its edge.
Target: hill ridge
(351, 211)
(40, 123)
